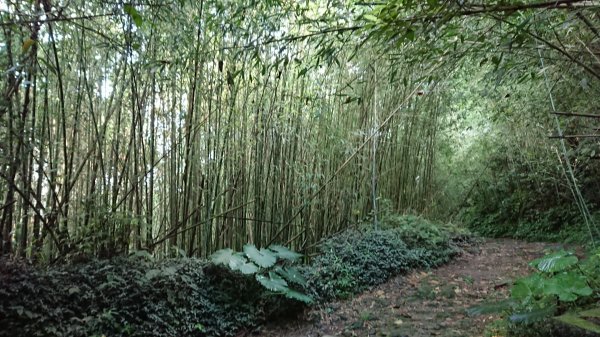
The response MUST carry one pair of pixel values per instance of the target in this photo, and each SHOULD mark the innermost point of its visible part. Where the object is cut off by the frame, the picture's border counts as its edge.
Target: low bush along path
(422, 303)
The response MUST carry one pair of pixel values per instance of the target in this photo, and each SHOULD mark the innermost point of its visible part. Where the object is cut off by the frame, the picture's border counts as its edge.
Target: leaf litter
(423, 303)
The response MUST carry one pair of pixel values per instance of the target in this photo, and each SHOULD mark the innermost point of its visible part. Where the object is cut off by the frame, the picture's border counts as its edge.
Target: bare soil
(422, 303)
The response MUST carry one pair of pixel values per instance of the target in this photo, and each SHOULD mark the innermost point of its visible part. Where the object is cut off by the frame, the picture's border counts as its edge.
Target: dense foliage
(139, 296)
(272, 268)
(187, 127)
(200, 125)
(129, 297)
(561, 295)
(358, 259)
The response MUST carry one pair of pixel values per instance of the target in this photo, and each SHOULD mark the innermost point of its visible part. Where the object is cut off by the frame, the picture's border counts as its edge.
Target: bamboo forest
(300, 168)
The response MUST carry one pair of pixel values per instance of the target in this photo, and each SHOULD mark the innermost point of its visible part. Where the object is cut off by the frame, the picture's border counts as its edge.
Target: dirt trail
(423, 303)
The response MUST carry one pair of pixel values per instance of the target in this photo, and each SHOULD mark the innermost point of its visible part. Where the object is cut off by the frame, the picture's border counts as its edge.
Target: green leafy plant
(131, 297)
(270, 267)
(355, 260)
(434, 243)
(560, 288)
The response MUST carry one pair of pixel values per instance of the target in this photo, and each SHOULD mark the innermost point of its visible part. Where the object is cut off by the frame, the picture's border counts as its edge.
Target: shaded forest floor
(422, 303)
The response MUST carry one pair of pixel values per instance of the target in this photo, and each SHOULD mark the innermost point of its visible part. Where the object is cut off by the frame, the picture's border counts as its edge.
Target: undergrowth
(139, 296)
(361, 258)
(129, 297)
(560, 298)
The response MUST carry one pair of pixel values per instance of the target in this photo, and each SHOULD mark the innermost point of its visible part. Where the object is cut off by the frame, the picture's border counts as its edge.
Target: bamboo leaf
(370, 17)
(591, 313)
(133, 14)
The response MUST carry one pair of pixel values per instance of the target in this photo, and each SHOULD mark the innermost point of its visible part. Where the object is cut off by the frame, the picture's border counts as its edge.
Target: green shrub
(138, 296)
(416, 231)
(561, 296)
(433, 244)
(272, 267)
(355, 260)
(130, 297)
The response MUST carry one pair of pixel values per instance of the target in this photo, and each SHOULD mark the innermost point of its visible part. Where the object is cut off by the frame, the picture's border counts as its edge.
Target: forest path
(423, 303)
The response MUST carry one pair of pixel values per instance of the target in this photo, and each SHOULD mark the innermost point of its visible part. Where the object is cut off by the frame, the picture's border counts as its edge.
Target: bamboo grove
(182, 127)
(185, 127)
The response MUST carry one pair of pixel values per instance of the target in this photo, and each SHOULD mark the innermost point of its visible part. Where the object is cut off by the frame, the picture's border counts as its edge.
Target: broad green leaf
(294, 295)
(237, 261)
(169, 271)
(284, 253)
(249, 268)
(291, 274)
(134, 14)
(567, 286)
(526, 287)
(144, 254)
(591, 313)
(490, 308)
(273, 282)
(263, 257)
(534, 315)
(555, 262)
(229, 258)
(575, 320)
(222, 256)
(520, 291)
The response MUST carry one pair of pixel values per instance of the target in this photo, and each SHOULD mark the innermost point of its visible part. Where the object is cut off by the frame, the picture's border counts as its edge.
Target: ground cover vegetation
(171, 130)
(141, 296)
(559, 298)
